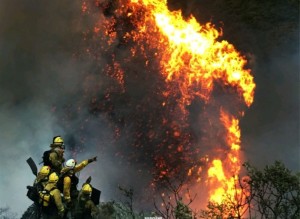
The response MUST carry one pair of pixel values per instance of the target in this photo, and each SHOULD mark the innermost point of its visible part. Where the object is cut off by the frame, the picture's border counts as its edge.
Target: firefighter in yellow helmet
(38, 184)
(50, 199)
(55, 157)
(85, 207)
(70, 180)
(42, 177)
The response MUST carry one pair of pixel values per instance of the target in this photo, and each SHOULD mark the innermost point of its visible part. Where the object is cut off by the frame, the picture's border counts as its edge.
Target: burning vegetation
(176, 92)
(160, 95)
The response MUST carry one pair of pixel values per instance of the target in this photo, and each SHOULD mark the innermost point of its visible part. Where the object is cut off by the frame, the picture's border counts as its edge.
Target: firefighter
(33, 192)
(55, 156)
(42, 177)
(50, 199)
(70, 180)
(85, 207)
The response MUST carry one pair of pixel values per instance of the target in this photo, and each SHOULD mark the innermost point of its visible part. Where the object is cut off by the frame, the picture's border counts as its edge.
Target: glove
(92, 159)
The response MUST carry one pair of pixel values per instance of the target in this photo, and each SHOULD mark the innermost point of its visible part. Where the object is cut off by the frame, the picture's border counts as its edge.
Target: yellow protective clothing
(58, 211)
(68, 178)
(41, 180)
(56, 158)
(85, 207)
(42, 177)
(67, 189)
(89, 205)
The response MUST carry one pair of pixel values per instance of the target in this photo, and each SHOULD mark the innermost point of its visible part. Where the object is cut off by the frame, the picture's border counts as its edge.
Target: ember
(180, 119)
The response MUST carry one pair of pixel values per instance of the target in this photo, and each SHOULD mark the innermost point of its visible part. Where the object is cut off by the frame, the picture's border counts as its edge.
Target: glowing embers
(191, 54)
(191, 61)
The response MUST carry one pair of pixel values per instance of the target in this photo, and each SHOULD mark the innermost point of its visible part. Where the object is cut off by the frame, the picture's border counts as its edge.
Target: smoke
(48, 87)
(275, 114)
(38, 76)
(46, 90)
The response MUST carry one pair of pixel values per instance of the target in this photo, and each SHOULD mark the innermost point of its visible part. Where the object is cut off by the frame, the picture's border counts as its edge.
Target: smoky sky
(47, 88)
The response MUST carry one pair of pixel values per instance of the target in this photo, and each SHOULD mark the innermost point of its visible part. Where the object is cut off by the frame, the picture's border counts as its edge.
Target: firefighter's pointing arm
(84, 163)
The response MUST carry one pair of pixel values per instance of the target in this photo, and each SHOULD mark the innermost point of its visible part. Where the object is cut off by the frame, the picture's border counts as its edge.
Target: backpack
(45, 198)
(33, 193)
(46, 158)
(60, 184)
(74, 183)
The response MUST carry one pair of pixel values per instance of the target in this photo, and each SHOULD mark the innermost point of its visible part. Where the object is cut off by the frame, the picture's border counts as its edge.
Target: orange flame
(226, 184)
(192, 60)
(193, 56)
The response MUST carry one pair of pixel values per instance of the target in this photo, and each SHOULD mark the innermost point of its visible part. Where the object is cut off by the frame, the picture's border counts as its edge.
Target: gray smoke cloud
(274, 117)
(38, 74)
(41, 80)
(42, 84)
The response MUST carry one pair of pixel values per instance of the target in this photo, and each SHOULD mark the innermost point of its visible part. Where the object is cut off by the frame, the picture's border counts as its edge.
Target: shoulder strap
(52, 188)
(48, 191)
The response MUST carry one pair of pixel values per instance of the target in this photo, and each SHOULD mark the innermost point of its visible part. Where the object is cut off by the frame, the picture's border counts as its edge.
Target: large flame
(226, 184)
(191, 54)
(192, 60)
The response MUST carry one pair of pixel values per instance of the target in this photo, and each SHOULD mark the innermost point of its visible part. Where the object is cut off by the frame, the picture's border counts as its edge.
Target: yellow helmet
(53, 177)
(45, 170)
(86, 188)
(58, 140)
